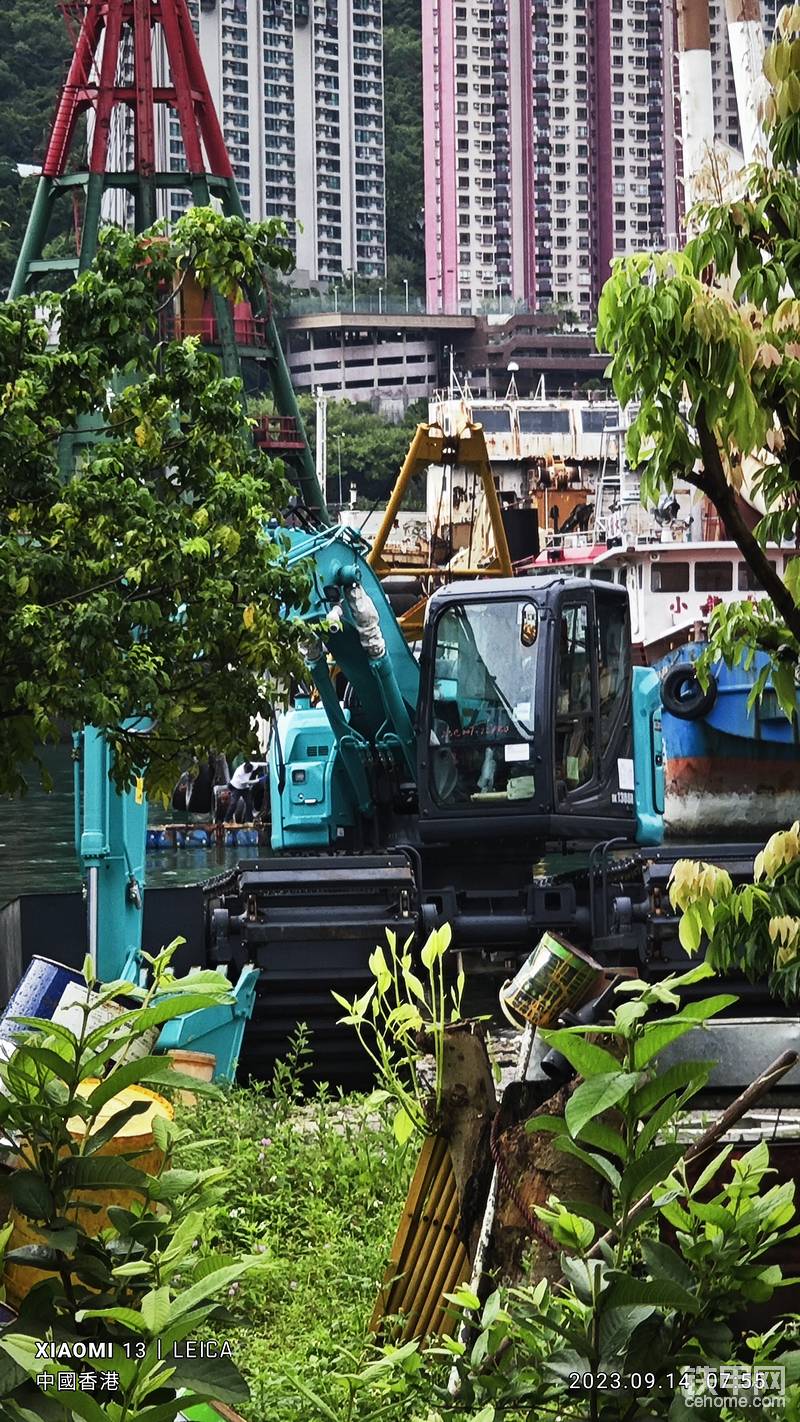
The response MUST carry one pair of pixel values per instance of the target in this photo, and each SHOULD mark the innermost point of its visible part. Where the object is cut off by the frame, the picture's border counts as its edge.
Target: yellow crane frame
(431, 445)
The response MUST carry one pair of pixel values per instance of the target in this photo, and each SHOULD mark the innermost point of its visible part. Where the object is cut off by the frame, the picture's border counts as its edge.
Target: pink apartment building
(550, 145)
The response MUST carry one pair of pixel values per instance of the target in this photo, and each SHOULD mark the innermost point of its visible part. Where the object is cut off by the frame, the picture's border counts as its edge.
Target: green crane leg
(35, 236)
(284, 390)
(91, 220)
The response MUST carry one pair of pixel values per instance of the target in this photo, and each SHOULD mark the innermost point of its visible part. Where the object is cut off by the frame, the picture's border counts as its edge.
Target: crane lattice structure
(122, 48)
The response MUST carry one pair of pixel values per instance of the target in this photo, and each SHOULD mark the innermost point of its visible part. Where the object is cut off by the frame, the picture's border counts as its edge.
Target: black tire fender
(683, 696)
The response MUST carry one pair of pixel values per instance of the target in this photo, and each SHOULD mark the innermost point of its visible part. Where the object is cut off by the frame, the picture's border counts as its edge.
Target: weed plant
(316, 1182)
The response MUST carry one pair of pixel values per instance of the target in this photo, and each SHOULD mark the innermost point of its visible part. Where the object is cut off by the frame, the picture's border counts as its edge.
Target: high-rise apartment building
(546, 147)
(726, 118)
(552, 144)
(298, 86)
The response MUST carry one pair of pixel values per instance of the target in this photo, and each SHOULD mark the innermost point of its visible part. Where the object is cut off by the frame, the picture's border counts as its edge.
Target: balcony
(277, 433)
(247, 330)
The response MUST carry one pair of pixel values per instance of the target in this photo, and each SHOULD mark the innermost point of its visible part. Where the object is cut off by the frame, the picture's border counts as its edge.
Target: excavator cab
(531, 718)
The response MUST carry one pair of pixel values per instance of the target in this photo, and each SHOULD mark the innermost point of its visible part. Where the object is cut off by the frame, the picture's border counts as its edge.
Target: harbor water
(37, 848)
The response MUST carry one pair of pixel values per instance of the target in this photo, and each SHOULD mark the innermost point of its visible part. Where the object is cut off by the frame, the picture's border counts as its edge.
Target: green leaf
(588, 1211)
(597, 1095)
(114, 1124)
(708, 1007)
(605, 1138)
(96, 1172)
(659, 1035)
(141, 1019)
(694, 1074)
(156, 1306)
(661, 1293)
(711, 1169)
(597, 1163)
(127, 1316)
(587, 1058)
(189, 1229)
(645, 1173)
(556, 1125)
(216, 1378)
(208, 1288)
(31, 1195)
(403, 1126)
(654, 1125)
(129, 1074)
(617, 1327)
(660, 1259)
(690, 929)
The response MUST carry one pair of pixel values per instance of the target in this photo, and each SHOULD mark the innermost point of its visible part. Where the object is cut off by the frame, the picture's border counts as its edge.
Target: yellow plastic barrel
(135, 1141)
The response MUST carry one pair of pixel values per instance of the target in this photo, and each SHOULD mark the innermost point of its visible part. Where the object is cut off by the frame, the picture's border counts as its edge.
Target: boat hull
(733, 773)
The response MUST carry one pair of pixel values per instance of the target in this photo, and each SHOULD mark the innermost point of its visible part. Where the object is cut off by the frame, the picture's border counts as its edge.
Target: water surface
(37, 844)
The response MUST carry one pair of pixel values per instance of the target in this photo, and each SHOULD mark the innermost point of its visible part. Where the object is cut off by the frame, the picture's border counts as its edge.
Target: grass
(319, 1186)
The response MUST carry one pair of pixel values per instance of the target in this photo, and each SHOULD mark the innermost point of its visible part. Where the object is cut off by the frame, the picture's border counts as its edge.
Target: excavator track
(310, 925)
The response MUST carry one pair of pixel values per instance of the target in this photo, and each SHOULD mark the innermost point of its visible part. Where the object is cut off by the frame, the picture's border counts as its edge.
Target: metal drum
(69, 1013)
(55, 993)
(38, 993)
(555, 976)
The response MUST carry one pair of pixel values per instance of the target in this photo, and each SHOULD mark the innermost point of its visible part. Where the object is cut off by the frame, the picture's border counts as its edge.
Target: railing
(278, 432)
(247, 330)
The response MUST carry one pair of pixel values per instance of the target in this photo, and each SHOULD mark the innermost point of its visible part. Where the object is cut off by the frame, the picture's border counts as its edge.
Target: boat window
(713, 576)
(596, 421)
(613, 660)
(669, 577)
(574, 720)
(483, 699)
(621, 575)
(543, 421)
(493, 421)
(603, 575)
(748, 582)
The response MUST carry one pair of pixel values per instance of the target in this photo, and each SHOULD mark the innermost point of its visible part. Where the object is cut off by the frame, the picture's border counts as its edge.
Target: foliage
(708, 341)
(230, 254)
(402, 80)
(649, 1283)
(134, 583)
(34, 49)
(399, 1018)
(318, 1189)
(133, 1282)
(372, 450)
(753, 928)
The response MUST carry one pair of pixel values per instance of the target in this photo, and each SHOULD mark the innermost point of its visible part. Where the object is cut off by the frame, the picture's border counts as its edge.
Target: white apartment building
(298, 87)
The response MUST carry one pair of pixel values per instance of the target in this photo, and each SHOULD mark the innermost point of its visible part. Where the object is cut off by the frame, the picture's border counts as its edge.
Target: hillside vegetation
(34, 53)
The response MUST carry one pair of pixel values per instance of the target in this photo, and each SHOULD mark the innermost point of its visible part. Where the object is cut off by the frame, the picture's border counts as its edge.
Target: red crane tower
(119, 46)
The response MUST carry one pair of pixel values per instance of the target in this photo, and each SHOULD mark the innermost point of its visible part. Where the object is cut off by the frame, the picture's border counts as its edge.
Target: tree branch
(714, 484)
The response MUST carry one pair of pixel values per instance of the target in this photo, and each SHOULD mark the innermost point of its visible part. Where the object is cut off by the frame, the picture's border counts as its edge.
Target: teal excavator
(408, 788)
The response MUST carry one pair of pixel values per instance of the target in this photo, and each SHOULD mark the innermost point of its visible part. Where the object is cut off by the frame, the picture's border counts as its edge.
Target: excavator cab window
(575, 700)
(613, 665)
(481, 737)
(593, 687)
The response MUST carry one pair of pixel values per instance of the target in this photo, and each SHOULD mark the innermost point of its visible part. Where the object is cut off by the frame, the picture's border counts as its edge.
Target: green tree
(142, 581)
(708, 341)
(372, 450)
